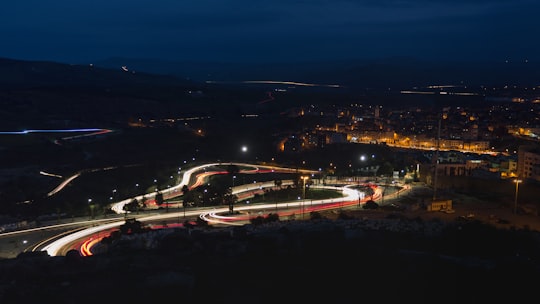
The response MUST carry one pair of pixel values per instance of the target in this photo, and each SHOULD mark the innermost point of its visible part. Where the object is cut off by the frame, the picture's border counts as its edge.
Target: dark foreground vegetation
(348, 259)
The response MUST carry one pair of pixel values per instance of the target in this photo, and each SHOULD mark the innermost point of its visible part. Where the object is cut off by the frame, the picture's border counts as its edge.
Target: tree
(159, 198)
(125, 208)
(185, 189)
(230, 199)
(386, 169)
(191, 197)
(131, 226)
(368, 191)
(272, 217)
(371, 205)
(132, 205)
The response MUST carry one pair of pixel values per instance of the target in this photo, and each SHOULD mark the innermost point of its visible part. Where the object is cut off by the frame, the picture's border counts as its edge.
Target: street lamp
(360, 197)
(517, 181)
(112, 195)
(91, 208)
(244, 150)
(304, 178)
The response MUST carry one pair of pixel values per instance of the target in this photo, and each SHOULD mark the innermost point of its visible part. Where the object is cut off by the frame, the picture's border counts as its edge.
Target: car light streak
(205, 217)
(118, 207)
(351, 196)
(54, 248)
(53, 226)
(38, 245)
(303, 84)
(50, 174)
(63, 184)
(51, 131)
(86, 247)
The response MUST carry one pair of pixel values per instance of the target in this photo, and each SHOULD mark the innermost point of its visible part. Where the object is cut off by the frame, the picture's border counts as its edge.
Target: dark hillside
(396, 73)
(353, 260)
(18, 73)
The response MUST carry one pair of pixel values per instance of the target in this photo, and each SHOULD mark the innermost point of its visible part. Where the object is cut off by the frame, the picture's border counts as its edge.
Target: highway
(81, 235)
(217, 216)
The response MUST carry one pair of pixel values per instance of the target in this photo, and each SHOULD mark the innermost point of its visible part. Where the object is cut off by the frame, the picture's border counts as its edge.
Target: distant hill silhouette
(376, 74)
(119, 89)
(19, 73)
(36, 94)
(395, 73)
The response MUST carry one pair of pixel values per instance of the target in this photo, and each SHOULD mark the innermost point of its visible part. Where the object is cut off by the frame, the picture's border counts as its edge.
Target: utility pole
(436, 161)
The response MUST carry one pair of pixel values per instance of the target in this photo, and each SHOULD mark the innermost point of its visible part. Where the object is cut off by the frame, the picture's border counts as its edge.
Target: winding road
(84, 237)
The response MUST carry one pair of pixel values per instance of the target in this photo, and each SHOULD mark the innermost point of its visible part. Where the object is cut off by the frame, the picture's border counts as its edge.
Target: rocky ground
(374, 258)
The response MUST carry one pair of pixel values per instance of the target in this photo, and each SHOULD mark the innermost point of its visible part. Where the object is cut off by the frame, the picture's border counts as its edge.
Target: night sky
(75, 31)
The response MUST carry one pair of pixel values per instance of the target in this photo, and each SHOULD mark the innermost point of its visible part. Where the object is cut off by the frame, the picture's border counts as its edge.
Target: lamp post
(304, 178)
(517, 181)
(91, 206)
(302, 208)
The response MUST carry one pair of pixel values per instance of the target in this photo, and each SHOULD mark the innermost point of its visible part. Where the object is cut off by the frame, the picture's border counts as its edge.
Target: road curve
(118, 207)
(350, 197)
